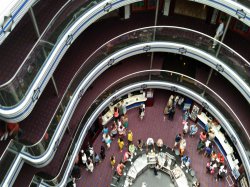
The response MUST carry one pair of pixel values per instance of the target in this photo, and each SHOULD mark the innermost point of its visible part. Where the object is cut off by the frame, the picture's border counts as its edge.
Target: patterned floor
(153, 125)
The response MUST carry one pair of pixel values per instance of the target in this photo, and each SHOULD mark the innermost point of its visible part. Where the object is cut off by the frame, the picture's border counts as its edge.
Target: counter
(170, 164)
(222, 143)
(130, 102)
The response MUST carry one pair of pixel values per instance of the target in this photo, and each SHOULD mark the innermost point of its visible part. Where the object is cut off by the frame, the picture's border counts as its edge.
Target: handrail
(23, 96)
(14, 15)
(17, 98)
(59, 125)
(113, 89)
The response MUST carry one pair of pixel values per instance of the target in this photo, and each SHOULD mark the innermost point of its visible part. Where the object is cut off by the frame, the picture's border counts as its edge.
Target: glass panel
(6, 163)
(14, 91)
(174, 34)
(162, 75)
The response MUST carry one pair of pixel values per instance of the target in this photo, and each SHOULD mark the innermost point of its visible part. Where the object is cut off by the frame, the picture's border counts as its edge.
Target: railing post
(153, 39)
(218, 51)
(55, 86)
(33, 18)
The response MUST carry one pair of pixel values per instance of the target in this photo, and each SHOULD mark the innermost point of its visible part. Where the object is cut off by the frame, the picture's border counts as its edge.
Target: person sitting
(119, 168)
(150, 143)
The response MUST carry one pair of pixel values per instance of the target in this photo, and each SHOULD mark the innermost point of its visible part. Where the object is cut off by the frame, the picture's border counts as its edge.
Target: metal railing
(14, 91)
(175, 79)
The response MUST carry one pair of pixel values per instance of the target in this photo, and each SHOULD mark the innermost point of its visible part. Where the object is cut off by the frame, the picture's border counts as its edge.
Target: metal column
(218, 51)
(33, 18)
(153, 39)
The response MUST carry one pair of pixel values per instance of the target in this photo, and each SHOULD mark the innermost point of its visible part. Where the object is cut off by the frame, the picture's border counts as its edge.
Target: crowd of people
(119, 134)
(205, 146)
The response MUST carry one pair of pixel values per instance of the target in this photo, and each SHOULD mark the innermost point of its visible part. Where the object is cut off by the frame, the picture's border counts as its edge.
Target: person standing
(116, 114)
(219, 32)
(84, 158)
(130, 137)
(182, 147)
(222, 172)
(112, 161)
(102, 153)
(107, 140)
(113, 131)
(177, 140)
(193, 130)
(185, 127)
(125, 121)
(90, 165)
(120, 144)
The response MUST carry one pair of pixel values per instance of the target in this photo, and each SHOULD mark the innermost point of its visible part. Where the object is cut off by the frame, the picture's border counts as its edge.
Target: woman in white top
(90, 166)
(84, 157)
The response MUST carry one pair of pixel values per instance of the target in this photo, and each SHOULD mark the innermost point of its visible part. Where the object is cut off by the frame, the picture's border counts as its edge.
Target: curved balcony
(41, 153)
(238, 9)
(137, 81)
(19, 95)
(11, 12)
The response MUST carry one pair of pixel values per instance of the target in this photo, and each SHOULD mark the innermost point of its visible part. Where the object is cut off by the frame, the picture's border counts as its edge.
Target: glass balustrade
(246, 3)
(134, 37)
(13, 91)
(155, 75)
(128, 39)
